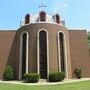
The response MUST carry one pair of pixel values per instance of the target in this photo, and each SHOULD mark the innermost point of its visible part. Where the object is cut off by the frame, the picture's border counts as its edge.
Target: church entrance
(43, 54)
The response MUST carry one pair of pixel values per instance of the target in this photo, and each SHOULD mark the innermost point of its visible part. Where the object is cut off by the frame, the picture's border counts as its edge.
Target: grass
(83, 85)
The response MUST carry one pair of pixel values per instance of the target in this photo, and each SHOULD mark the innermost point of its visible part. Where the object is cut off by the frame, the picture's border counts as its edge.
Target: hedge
(31, 77)
(78, 73)
(56, 76)
(8, 73)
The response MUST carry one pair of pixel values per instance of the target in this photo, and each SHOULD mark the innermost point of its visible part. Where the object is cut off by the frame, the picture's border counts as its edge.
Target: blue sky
(76, 13)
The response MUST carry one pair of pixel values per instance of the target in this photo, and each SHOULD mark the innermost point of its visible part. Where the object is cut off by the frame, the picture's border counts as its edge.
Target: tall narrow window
(24, 44)
(43, 54)
(23, 61)
(42, 16)
(27, 19)
(62, 53)
(57, 18)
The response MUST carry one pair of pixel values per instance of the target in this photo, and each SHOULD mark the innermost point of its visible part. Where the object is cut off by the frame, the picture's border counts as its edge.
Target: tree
(89, 38)
(88, 35)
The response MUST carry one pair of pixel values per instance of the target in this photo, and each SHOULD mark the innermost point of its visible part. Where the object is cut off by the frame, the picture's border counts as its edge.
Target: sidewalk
(44, 82)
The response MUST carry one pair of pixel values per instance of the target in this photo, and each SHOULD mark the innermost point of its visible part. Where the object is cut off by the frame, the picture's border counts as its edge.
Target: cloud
(65, 5)
(57, 6)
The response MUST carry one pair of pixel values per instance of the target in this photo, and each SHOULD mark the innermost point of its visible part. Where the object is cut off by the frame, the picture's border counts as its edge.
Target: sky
(76, 13)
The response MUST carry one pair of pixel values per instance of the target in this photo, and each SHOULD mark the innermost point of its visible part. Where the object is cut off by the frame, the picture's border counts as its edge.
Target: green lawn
(83, 85)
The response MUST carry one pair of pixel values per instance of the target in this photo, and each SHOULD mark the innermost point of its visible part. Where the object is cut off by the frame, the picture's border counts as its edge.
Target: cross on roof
(42, 6)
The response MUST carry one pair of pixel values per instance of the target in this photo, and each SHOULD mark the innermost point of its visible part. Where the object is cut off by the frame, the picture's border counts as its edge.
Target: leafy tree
(89, 38)
(88, 35)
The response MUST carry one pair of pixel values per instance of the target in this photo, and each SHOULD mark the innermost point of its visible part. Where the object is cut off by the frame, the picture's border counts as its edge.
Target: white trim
(54, 23)
(38, 58)
(39, 17)
(27, 52)
(20, 57)
(55, 19)
(59, 53)
(65, 51)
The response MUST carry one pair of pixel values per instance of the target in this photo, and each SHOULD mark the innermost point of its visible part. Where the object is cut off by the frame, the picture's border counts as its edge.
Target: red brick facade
(76, 48)
(75, 52)
(79, 50)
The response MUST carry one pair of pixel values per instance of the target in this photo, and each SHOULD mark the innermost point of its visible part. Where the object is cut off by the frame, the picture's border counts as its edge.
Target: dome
(44, 18)
(36, 18)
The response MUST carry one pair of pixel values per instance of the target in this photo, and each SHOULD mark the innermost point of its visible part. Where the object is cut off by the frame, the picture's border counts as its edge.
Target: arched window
(27, 18)
(42, 16)
(23, 64)
(43, 54)
(57, 18)
(24, 54)
(61, 53)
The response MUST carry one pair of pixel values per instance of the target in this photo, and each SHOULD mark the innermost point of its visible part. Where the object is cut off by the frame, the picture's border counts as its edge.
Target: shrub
(56, 76)
(8, 74)
(31, 77)
(78, 73)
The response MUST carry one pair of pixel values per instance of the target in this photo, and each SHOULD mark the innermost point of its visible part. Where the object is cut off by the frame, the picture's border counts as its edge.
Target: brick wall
(79, 51)
(7, 50)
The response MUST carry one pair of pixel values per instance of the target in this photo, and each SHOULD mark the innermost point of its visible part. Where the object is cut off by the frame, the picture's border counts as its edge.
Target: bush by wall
(8, 73)
(78, 73)
(31, 77)
(56, 76)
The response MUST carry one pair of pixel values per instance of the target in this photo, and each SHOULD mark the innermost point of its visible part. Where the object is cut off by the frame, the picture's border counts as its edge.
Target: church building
(43, 44)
